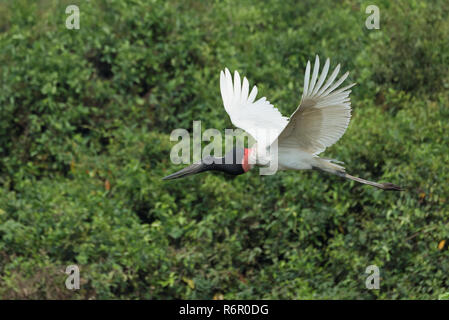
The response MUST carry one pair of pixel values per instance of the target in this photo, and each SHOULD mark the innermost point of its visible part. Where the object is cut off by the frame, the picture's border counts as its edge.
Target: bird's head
(235, 162)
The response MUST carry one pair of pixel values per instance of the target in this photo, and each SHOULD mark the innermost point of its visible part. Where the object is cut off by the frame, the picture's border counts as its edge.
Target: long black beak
(187, 171)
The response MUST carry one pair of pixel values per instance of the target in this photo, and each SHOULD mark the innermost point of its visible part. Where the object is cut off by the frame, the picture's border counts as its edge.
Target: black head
(231, 163)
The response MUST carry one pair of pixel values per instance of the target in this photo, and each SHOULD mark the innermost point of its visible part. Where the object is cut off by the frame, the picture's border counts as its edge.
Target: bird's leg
(383, 186)
(341, 173)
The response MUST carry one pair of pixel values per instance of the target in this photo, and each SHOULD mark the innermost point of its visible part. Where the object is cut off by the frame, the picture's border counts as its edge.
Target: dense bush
(84, 142)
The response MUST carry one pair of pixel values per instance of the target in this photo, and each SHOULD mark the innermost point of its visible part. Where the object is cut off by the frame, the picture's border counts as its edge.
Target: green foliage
(444, 296)
(84, 143)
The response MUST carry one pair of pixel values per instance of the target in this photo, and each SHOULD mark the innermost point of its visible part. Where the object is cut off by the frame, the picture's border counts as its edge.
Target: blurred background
(85, 122)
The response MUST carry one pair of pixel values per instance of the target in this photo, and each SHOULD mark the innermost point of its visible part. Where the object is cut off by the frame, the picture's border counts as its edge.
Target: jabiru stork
(319, 121)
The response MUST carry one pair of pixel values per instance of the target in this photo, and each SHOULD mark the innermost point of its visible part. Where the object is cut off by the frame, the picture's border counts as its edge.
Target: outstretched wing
(259, 118)
(323, 114)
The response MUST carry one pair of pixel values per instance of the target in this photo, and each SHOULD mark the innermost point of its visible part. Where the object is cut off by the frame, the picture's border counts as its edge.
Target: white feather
(323, 115)
(322, 77)
(316, 67)
(306, 78)
(260, 118)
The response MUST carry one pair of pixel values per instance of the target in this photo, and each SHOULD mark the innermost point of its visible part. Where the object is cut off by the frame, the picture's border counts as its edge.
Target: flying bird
(319, 121)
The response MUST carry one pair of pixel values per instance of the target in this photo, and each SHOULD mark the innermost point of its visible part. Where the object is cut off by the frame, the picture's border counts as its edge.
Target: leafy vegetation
(85, 122)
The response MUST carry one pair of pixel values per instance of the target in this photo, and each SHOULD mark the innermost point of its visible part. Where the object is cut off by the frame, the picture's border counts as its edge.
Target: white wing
(323, 114)
(260, 118)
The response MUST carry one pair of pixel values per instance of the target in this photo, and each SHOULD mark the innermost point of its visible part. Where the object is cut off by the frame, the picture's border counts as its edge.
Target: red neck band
(246, 166)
